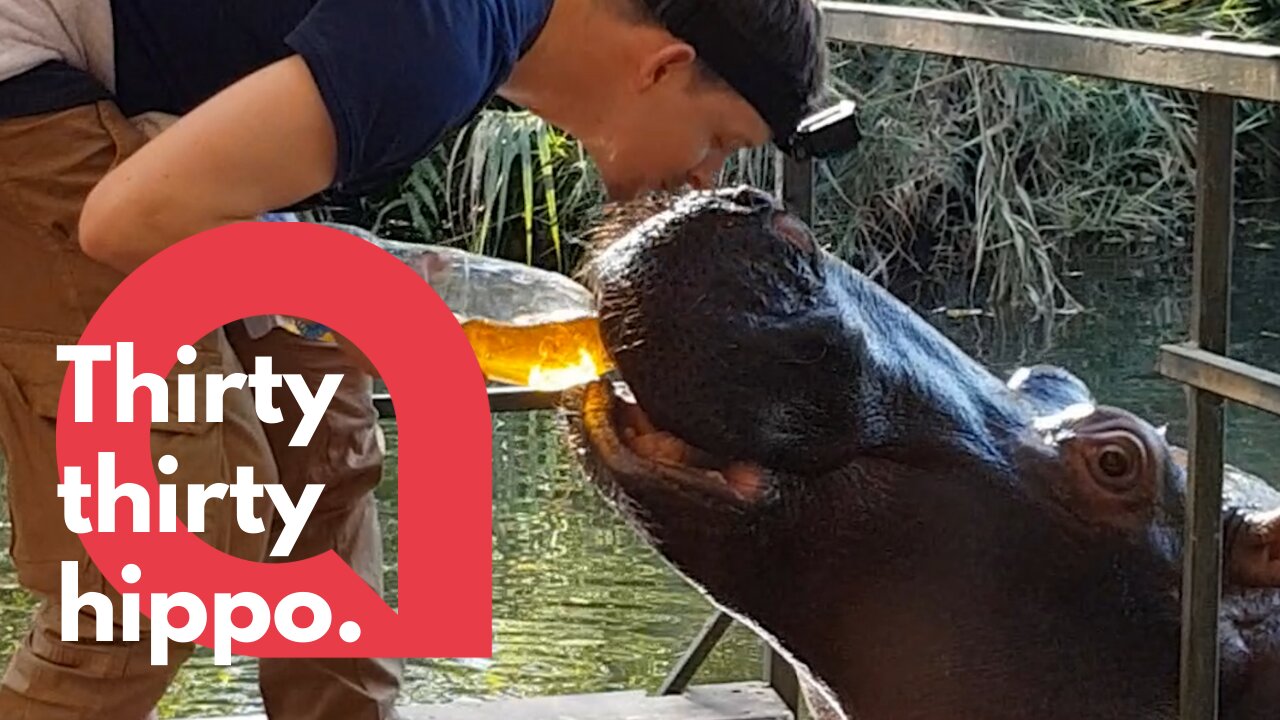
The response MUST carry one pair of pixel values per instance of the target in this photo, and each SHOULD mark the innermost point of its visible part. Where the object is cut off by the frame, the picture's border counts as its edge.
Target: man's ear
(669, 59)
(1254, 558)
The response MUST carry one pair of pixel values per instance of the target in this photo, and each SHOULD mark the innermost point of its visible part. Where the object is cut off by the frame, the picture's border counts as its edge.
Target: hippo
(922, 539)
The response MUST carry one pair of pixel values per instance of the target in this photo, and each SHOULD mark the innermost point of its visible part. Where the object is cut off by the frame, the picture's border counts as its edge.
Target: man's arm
(263, 143)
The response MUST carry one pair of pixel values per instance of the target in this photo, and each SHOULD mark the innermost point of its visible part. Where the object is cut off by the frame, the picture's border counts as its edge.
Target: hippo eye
(1113, 462)
(1114, 468)
(1117, 462)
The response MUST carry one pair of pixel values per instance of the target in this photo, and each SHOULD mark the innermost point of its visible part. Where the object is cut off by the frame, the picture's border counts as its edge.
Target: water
(1113, 345)
(581, 606)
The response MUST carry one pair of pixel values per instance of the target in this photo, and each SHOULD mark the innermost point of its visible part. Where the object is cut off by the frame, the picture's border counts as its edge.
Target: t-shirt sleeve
(397, 74)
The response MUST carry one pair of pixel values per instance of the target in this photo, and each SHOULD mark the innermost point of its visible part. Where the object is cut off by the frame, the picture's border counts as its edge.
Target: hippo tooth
(622, 391)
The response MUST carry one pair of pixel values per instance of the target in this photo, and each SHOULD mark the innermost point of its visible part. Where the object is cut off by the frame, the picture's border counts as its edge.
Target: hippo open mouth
(924, 539)
(624, 438)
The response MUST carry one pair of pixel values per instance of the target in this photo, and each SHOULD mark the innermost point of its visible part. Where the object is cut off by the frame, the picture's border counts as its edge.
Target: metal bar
(1222, 376)
(687, 666)
(798, 185)
(798, 181)
(1211, 297)
(782, 678)
(1245, 70)
(501, 399)
(518, 399)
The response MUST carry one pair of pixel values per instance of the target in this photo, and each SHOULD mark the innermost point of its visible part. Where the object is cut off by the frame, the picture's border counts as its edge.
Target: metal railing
(1220, 72)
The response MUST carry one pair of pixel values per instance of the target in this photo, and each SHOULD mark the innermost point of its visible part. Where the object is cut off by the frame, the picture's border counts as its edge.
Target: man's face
(671, 129)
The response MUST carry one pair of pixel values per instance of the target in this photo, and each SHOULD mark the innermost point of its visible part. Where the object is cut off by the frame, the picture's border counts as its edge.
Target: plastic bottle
(528, 327)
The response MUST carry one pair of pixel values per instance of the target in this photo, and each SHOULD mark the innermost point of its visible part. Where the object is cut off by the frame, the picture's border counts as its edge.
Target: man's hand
(263, 143)
(431, 267)
(353, 353)
(152, 124)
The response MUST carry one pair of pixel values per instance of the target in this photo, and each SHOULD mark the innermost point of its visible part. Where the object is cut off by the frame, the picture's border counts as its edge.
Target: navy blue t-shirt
(396, 75)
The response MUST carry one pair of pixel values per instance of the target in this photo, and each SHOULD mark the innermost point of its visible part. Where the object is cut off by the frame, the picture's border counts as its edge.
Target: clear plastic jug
(527, 326)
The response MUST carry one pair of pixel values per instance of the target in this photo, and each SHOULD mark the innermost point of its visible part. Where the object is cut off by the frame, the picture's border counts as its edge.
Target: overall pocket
(31, 382)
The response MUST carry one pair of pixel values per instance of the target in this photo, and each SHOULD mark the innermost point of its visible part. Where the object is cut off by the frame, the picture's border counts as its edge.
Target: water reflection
(1113, 344)
(580, 605)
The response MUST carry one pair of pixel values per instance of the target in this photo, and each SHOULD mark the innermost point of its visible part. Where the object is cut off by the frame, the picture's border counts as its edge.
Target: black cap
(797, 130)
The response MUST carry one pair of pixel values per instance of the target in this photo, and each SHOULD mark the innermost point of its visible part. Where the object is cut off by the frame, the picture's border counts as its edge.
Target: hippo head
(923, 539)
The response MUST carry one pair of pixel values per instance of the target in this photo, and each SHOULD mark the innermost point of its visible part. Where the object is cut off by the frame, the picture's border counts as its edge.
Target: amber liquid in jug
(527, 326)
(546, 355)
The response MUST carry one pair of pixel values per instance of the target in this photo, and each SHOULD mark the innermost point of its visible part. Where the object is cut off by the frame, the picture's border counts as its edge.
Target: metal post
(1202, 569)
(782, 678)
(798, 187)
(798, 181)
(687, 666)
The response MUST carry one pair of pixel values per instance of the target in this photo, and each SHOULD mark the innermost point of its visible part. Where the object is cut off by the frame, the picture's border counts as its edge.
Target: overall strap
(51, 86)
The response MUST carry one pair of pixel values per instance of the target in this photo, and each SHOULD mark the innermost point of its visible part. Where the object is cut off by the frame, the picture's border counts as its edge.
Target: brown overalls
(48, 292)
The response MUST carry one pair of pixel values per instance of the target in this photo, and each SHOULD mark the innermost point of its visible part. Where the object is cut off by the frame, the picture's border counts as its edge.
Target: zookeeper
(276, 102)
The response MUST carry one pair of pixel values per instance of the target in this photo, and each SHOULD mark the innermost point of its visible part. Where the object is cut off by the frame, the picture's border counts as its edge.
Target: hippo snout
(709, 308)
(735, 332)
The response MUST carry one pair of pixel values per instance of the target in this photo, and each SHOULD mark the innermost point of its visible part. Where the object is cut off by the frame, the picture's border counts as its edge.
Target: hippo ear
(1254, 556)
(1049, 389)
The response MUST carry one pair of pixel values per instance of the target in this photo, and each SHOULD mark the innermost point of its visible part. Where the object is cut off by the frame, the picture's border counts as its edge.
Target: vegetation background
(977, 185)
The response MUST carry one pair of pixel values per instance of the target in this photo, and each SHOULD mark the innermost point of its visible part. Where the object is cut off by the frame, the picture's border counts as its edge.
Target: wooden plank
(687, 666)
(1222, 376)
(1271, 164)
(1245, 70)
(1215, 223)
(1210, 315)
(1202, 572)
(729, 701)
(501, 399)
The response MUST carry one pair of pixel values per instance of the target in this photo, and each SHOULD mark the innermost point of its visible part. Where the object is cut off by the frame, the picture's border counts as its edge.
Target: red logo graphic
(445, 448)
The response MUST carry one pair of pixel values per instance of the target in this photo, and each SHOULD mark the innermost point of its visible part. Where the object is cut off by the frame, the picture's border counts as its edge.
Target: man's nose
(704, 176)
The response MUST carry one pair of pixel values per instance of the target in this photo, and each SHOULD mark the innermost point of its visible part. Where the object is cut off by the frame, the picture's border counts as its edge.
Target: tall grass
(506, 184)
(509, 184)
(999, 176)
(989, 179)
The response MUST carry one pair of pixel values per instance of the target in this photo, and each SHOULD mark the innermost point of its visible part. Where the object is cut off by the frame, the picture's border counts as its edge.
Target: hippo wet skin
(924, 540)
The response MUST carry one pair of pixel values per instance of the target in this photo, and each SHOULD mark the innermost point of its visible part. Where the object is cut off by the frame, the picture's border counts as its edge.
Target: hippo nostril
(793, 231)
(754, 199)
